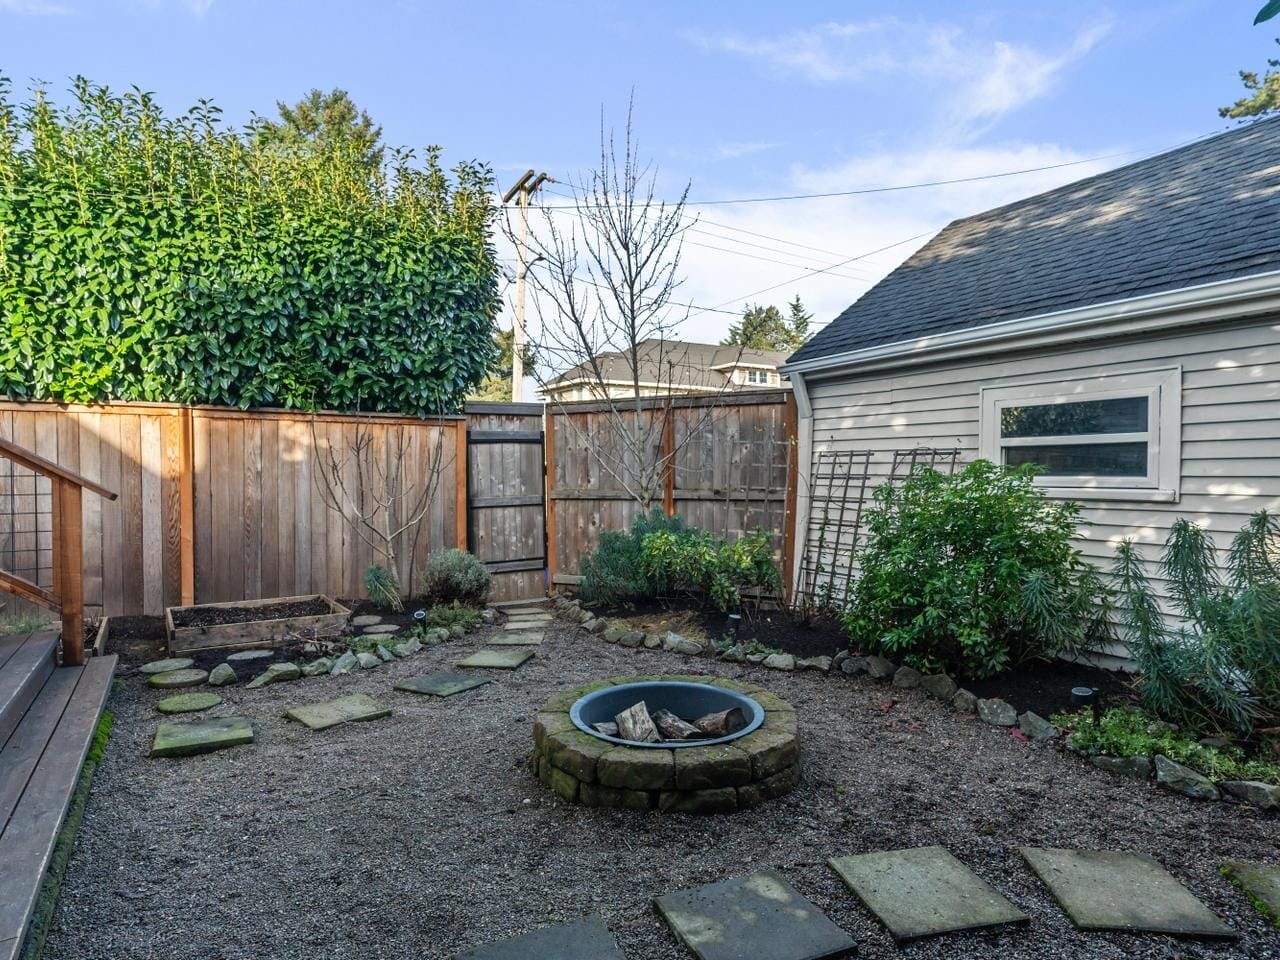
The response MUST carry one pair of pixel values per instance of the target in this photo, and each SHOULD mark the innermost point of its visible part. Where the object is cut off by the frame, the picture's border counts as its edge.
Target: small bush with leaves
(611, 573)
(383, 587)
(449, 615)
(972, 573)
(694, 561)
(1220, 667)
(455, 576)
(1130, 733)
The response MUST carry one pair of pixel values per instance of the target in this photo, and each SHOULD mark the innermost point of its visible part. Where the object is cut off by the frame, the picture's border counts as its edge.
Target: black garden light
(735, 626)
(1082, 697)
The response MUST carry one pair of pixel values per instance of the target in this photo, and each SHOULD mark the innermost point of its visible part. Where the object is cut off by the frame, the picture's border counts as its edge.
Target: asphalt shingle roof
(1208, 211)
(678, 363)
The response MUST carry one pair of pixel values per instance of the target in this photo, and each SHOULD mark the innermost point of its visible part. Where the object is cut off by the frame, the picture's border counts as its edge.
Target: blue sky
(743, 99)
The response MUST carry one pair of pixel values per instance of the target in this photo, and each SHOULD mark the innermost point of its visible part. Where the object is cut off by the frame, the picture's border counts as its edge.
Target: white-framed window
(1111, 437)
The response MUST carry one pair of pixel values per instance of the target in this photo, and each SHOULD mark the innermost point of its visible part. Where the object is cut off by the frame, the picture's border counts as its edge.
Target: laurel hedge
(161, 258)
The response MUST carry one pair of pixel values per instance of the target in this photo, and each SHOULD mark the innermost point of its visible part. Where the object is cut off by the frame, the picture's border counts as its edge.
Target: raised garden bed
(253, 623)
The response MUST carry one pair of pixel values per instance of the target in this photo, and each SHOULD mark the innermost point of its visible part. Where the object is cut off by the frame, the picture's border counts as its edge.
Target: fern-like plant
(1219, 667)
(383, 587)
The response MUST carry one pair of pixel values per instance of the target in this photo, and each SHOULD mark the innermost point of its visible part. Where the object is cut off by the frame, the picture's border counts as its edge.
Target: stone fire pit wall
(731, 776)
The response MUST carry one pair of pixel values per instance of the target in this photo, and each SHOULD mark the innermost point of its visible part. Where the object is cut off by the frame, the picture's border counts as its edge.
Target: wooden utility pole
(526, 186)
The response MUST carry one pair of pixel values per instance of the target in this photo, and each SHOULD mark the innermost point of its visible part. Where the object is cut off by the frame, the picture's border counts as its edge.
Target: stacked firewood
(639, 725)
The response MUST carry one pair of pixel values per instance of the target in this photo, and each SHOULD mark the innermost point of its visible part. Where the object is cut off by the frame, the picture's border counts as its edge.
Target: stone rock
(596, 626)
(628, 768)
(344, 664)
(1217, 743)
(408, 648)
(456, 631)
(317, 667)
(938, 685)
(613, 634)
(241, 656)
(674, 643)
(353, 708)
(632, 638)
(188, 702)
(385, 655)
(852, 666)
(178, 678)
(488, 615)
(755, 658)
(906, 678)
(221, 675)
(1037, 727)
(1183, 780)
(821, 664)
(964, 701)
(167, 666)
(878, 668)
(444, 683)
(367, 661)
(187, 738)
(1264, 796)
(275, 673)
(437, 635)
(1157, 727)
(365, 620)
(498, 658)
(998, 713)
(780, 661)
(380, 628)
(840, 658)
(734, 654)
(1137, 767)
(652, 641)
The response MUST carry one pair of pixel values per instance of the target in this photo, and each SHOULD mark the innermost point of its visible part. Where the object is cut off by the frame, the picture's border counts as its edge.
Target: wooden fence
(729, 463)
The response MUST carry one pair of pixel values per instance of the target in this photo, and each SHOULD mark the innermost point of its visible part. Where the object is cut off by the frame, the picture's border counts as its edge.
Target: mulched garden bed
(1044, 686)
(431, 834)
(209, 615)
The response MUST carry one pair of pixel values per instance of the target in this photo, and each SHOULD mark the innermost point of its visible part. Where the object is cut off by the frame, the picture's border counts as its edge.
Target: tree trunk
(723, 723)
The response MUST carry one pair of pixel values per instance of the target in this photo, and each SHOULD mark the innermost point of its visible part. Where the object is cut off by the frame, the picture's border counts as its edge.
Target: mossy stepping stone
(502, 658)
(243, 655)
(178, 678)
(167, 666)
(760, 915)
(378, 628)
(442, 683)
(1260, 883)
(190, 737)
(365, 620)
(354, 708)
(1104, 890)
(517, 639)
(581, 940)
(924, 892)
(188, 702)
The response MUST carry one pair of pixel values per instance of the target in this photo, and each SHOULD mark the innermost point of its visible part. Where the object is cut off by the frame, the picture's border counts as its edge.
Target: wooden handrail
(67, 596)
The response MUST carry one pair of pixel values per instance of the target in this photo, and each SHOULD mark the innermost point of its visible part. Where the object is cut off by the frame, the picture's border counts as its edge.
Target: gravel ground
(423, 834)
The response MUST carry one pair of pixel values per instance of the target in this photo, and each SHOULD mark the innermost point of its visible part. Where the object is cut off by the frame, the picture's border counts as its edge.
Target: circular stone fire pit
(756, 762)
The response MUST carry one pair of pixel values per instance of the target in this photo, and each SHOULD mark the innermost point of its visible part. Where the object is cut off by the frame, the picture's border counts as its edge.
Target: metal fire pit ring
(684, 699)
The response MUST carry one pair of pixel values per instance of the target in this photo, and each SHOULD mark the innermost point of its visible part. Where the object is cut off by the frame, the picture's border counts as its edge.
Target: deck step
(25, 664)
(39, 769)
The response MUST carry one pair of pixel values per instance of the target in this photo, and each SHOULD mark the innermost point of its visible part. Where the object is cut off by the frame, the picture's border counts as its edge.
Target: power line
(753, 256)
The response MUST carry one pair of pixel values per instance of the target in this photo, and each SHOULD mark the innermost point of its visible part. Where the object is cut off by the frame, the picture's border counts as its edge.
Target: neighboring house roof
(673, 362)
(1206, 212)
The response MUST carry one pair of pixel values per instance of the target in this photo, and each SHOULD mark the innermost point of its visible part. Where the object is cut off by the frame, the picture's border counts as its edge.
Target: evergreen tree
(765, 328)
(324, 121)
(800, 318)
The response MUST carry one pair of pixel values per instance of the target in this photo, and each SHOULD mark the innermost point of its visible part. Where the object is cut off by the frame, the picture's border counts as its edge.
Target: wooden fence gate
(506, 492)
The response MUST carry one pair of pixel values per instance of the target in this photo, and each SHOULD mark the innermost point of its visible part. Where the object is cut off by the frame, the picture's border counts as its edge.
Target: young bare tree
(375, 484)
(604, 280)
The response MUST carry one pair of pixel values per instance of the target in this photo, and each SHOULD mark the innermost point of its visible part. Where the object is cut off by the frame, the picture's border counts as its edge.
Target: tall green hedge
(147, 257)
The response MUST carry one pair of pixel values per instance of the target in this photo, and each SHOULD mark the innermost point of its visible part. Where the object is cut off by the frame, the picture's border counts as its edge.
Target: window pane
(1123, 415)
(1083, 459)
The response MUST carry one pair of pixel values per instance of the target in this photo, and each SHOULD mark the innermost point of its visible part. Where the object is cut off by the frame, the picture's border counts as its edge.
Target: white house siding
(1230, 420)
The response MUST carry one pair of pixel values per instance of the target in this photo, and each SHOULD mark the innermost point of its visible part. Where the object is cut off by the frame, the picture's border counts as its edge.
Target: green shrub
(612, 573)
(160, 258)
(1130, 733)
(972, 573)
(447, 615)
(1220, 667)
(383, 587)
(691, 560)
(455, 576)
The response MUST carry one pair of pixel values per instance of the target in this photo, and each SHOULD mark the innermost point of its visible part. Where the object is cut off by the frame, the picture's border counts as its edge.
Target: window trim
(1161, 387)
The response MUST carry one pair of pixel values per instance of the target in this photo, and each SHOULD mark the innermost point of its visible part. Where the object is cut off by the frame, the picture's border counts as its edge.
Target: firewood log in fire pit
(607, 728)
(723, 723)
(635, 724)
(673, 728)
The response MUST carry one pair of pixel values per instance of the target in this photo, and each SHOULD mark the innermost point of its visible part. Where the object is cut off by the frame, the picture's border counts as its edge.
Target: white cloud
(34, 8)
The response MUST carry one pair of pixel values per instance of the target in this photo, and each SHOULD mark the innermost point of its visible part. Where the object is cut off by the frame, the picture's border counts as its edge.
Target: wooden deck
(48, 715)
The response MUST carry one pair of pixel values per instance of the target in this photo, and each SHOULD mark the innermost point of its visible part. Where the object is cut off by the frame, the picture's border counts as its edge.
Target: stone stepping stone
(581, 940)
(354, 708)
(529, 618)
(187, 738)
(178, 678)
(365, 620)
(243, 655)
(167, 666)
(1260, 883)
(1104, 890)
(442, 683)
(760, 915)
(188, 702)
(923, 892)
(523, 638)
(378, 628)
(508, 658)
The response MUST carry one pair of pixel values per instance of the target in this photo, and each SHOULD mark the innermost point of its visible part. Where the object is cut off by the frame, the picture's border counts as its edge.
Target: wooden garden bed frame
(247, 634)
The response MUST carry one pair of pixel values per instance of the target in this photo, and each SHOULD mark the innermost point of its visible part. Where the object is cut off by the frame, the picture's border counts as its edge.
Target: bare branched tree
(604, 281)
(374, 483)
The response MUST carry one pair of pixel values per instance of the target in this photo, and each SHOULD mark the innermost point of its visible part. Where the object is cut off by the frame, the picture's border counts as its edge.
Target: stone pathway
(166, 666)
(188, 702)
(173, 679)
(524, 638)
(442, 683)
(185, 739)
(354, 708)
(501, 658)
(1260, 883)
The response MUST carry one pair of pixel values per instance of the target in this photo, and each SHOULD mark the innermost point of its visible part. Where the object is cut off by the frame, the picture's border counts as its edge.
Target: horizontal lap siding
(1230, 422)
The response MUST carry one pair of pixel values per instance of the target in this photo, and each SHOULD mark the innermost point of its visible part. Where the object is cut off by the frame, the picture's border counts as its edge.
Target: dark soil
(362, 607)
(210, 616)
(1044, 686)
(136, 640)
